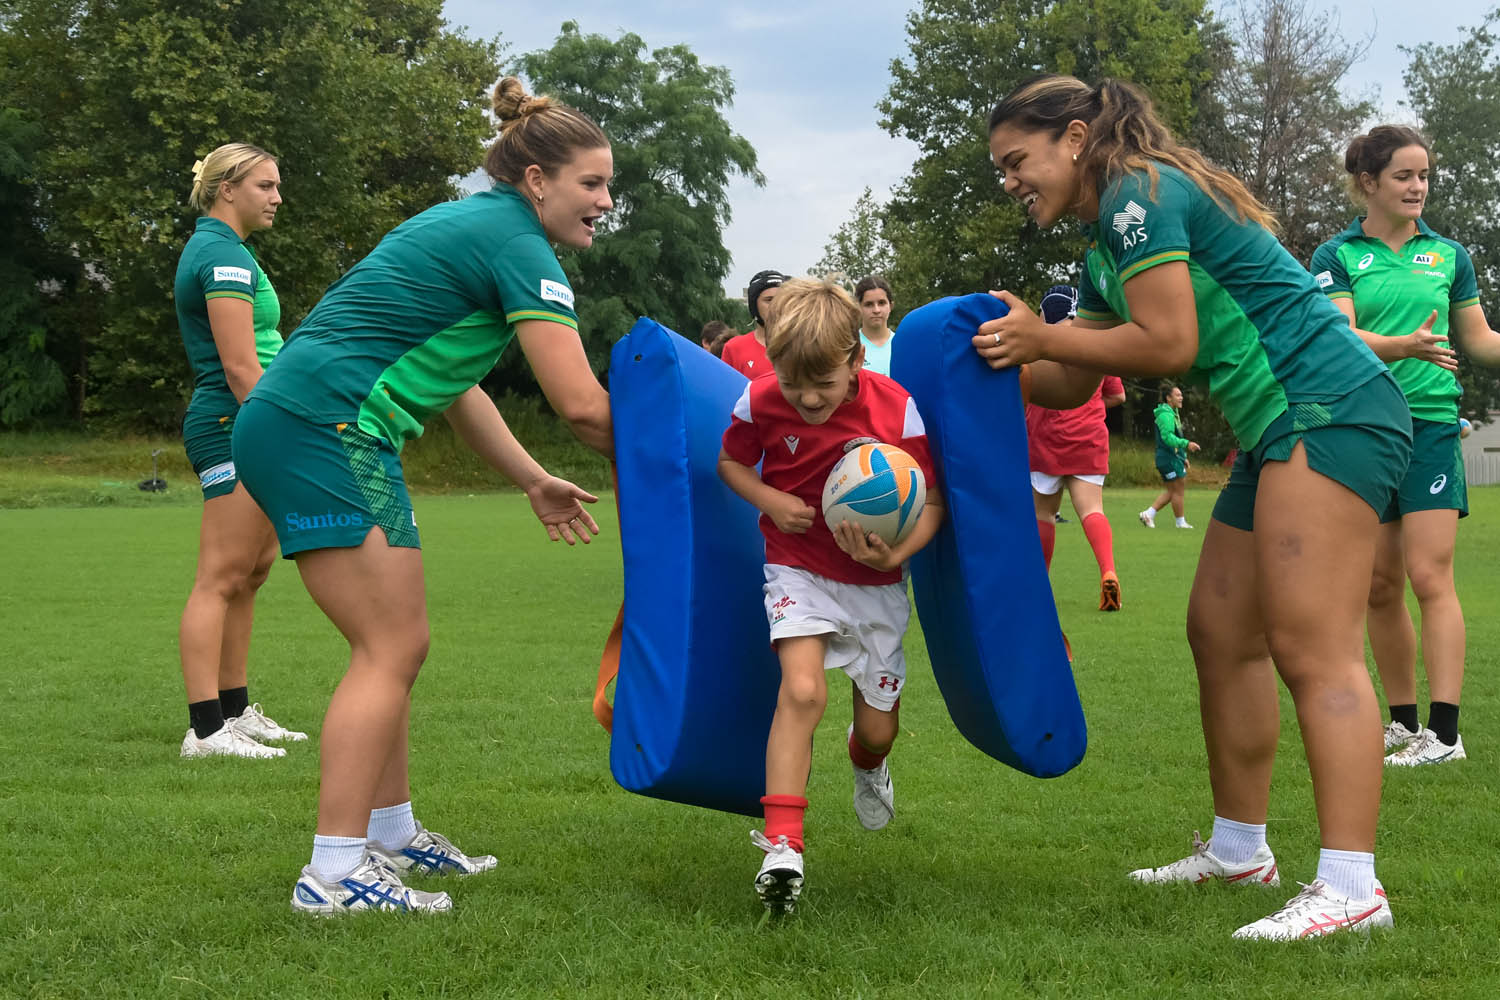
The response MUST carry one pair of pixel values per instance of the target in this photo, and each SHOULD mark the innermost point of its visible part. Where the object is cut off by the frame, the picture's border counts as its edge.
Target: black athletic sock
(235, 701)
(1404, 714)
(1442, 718)
(207, 717)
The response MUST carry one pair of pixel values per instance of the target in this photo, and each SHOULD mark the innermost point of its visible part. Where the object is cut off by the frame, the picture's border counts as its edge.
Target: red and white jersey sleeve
(796, 457)
(1072, 442)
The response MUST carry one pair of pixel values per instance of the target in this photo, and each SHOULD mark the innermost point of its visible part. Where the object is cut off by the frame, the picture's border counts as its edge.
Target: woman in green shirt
(1171, 459)
(227, 312)
(1186, 276)
(1404, 289)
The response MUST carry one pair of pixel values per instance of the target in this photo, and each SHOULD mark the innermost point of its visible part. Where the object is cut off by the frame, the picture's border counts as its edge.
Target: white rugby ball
(877, 486)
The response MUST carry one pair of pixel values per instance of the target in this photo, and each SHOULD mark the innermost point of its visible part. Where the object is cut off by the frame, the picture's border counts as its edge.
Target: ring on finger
(997, 339)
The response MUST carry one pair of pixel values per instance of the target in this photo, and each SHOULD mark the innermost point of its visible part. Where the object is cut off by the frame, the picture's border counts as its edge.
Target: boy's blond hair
(813, 328)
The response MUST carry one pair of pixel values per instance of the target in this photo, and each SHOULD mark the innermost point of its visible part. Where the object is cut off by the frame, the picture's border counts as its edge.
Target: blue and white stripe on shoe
(434, 854)
(373, 885)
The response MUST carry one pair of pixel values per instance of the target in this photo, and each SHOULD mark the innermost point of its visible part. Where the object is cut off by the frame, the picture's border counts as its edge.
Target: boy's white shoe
(1148, 517)
(227, 741)
(1183, 524)
(1203, 866)
(373, 885)
(1315, 911)
(1397, 735)
(874, 797)
(260, 727)
(1427, 749)
(432, 853)
(779, 881)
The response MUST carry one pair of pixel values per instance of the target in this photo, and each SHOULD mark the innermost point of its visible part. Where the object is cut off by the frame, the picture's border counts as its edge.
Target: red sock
(1048, 531)
(784, 818)
(865, 760)
(1096, 527)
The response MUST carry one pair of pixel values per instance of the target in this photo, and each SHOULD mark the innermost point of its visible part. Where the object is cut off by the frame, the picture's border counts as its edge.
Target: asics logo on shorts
(329, 519)
(221, 473)
(1438, 484)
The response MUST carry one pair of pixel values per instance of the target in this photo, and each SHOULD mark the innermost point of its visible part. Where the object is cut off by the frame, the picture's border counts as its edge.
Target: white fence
(1482, 453)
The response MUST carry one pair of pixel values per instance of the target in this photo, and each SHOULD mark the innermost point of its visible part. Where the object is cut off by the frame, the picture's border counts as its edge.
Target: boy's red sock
(1048, 531)
(784, 818)
(1096, 527)
(865, 760)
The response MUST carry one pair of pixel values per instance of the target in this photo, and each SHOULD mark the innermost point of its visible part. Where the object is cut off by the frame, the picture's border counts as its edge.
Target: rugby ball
(877, 486)
(1464, 427)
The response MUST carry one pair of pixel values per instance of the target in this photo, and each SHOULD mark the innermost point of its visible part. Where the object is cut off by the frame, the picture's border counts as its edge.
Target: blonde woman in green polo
(228, 314)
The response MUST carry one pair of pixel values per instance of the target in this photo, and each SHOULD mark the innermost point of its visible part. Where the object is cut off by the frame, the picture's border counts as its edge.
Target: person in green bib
(1183, 274)
(228, 314)
(1405, 290)
(1171, 459)
(403, 337)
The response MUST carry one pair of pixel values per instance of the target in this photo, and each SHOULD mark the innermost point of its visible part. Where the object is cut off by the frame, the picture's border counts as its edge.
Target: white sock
(1348, 873)
(392, 827)
(334, 858)
(1181, 522)
(1235, 843)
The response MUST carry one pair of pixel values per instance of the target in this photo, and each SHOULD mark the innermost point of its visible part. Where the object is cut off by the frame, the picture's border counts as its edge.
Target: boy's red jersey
(796, 457)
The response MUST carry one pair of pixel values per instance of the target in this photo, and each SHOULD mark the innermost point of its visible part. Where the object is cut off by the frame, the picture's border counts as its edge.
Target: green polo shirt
(423, 318)
(216, 264)
(1394, 292)
(1266, 336)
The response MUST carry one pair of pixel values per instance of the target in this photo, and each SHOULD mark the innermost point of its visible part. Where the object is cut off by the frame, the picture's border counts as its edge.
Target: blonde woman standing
(228, 315)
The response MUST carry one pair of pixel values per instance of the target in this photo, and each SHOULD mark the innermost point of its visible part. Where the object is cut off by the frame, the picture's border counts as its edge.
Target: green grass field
(133, 873)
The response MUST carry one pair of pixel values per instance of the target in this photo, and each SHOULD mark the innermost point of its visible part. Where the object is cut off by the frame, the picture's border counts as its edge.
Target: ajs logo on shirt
(556, 291)
(1131, 224)
(241, 275)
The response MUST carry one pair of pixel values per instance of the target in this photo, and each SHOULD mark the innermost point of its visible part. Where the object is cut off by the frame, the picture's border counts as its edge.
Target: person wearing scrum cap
(1070, 449)
(746, 353)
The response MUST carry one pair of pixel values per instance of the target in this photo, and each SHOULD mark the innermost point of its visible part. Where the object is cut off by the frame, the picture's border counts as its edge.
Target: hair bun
(512, 102)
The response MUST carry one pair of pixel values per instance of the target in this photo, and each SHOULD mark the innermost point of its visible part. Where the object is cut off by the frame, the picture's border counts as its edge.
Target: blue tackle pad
(697, 678)
(981, 586)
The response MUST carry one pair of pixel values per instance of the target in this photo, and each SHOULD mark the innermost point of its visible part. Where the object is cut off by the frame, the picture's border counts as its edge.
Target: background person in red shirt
(1071, 448)
(746, 353)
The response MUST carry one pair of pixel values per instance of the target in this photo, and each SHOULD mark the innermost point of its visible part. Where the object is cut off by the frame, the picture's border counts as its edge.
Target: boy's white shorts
(864, 625)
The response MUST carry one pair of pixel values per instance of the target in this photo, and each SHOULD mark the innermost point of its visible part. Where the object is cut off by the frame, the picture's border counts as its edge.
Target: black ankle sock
(235, 701)
(1404, 714)
(206, 717)
(1442, 718)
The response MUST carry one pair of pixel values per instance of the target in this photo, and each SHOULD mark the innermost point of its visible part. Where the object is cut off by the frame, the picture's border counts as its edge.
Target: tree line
(1262, 92)
(376, 109)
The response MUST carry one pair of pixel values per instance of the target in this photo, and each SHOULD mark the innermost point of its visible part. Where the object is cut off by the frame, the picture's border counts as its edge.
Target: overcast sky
(807, 77)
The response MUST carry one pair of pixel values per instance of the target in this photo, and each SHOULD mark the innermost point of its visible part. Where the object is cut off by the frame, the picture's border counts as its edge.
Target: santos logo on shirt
(1325, 279)
(237, 274)
(556, 291)
(1130, 224)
